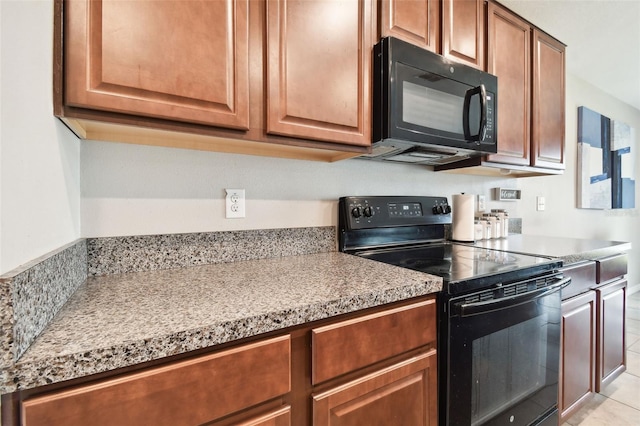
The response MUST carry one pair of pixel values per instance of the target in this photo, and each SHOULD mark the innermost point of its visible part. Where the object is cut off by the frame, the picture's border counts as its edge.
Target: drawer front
(583, 278)
(349, 345)
(187, 392)
(611, 267)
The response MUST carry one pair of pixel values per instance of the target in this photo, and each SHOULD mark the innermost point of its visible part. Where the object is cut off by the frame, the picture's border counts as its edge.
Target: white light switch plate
(481, 203)
(540, 203)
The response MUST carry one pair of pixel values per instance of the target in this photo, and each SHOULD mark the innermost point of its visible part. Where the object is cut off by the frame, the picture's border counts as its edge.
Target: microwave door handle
(482, 92)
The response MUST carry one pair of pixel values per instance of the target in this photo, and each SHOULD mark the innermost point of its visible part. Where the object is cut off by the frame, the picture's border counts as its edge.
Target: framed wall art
(606, 166)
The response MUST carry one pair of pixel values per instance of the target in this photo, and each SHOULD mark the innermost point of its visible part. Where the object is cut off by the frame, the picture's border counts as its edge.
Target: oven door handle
(476, 308)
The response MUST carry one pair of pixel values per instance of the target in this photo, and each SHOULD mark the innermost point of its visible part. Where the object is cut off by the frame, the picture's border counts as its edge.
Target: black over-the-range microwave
(428, 109)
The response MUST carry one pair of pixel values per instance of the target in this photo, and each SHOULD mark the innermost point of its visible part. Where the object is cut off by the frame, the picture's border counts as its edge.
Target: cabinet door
(578, 354)
(414, 21)
(403, 394)
(318, 69)
(509, 58)
(179, 60)
(463, 31)
(611, 332)
(548, 102)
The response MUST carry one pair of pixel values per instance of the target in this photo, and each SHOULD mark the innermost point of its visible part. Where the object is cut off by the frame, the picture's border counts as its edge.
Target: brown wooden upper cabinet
(414, 21)
(319, 69)
(453, 28)
(463, 31)
(509, 58)
(548, 93)
(239, 74)
(530, 69)
(185, 61)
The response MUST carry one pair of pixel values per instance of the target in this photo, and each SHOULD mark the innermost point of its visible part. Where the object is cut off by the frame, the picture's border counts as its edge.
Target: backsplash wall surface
(33, 294)
(142, 190)
(114, 255)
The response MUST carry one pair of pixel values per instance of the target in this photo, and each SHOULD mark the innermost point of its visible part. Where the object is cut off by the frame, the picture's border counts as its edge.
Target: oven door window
(503, 367)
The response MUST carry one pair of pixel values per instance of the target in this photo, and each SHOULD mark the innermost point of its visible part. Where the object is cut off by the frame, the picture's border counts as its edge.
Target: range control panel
(388, 211)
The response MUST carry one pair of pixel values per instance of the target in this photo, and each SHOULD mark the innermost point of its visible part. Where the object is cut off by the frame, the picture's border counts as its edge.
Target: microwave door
(481, 93)
(431, 107)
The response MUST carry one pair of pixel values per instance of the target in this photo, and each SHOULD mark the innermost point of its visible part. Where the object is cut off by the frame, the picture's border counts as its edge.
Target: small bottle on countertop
(493, 220)
(505, 220)
(486, 227)
(479, 230)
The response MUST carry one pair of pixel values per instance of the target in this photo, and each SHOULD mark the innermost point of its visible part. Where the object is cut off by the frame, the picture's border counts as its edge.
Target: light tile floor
(619, 403)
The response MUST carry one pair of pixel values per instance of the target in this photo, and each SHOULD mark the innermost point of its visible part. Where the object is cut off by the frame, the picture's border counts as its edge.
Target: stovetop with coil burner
(409, 232)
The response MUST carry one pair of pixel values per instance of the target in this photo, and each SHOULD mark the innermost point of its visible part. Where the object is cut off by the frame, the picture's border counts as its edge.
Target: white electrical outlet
(234, 201)
(539, 203)
(481, 203)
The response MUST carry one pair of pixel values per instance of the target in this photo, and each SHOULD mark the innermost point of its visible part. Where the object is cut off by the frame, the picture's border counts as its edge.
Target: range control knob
(356, 212)
(441, 209)
(368, 211)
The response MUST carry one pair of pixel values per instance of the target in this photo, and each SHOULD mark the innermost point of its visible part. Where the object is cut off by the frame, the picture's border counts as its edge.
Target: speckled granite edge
(595, 254)
(32, 295)
(6, 325)
(26, 375)
(114, 255)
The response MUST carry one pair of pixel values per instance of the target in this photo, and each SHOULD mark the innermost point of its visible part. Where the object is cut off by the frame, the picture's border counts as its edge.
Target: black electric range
(410, 232)
(498, 316)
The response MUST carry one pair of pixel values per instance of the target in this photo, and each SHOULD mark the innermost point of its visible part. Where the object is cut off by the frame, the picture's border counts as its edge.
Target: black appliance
(428, 109)
(499, 312)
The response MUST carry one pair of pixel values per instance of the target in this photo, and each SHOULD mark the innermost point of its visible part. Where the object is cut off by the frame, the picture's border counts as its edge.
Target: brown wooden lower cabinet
(390, 374)
(593, 351)
(403, 394)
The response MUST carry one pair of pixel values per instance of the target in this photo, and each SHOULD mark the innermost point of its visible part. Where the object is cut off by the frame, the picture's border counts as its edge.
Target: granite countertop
(119, 320)
(569, 250)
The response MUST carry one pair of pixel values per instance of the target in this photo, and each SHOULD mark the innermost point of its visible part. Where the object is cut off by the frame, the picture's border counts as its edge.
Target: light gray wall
(40, 159)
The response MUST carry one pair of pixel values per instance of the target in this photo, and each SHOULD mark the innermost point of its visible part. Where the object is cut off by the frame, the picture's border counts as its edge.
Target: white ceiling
(602, 38)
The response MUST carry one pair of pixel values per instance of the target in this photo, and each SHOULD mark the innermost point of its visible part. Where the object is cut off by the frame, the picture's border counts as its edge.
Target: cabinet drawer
(349, 345)
(583, 278)
(611, 267)
(187, 392)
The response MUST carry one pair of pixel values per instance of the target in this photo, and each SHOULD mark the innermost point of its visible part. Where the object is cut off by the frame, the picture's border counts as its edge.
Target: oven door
(503, 354)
